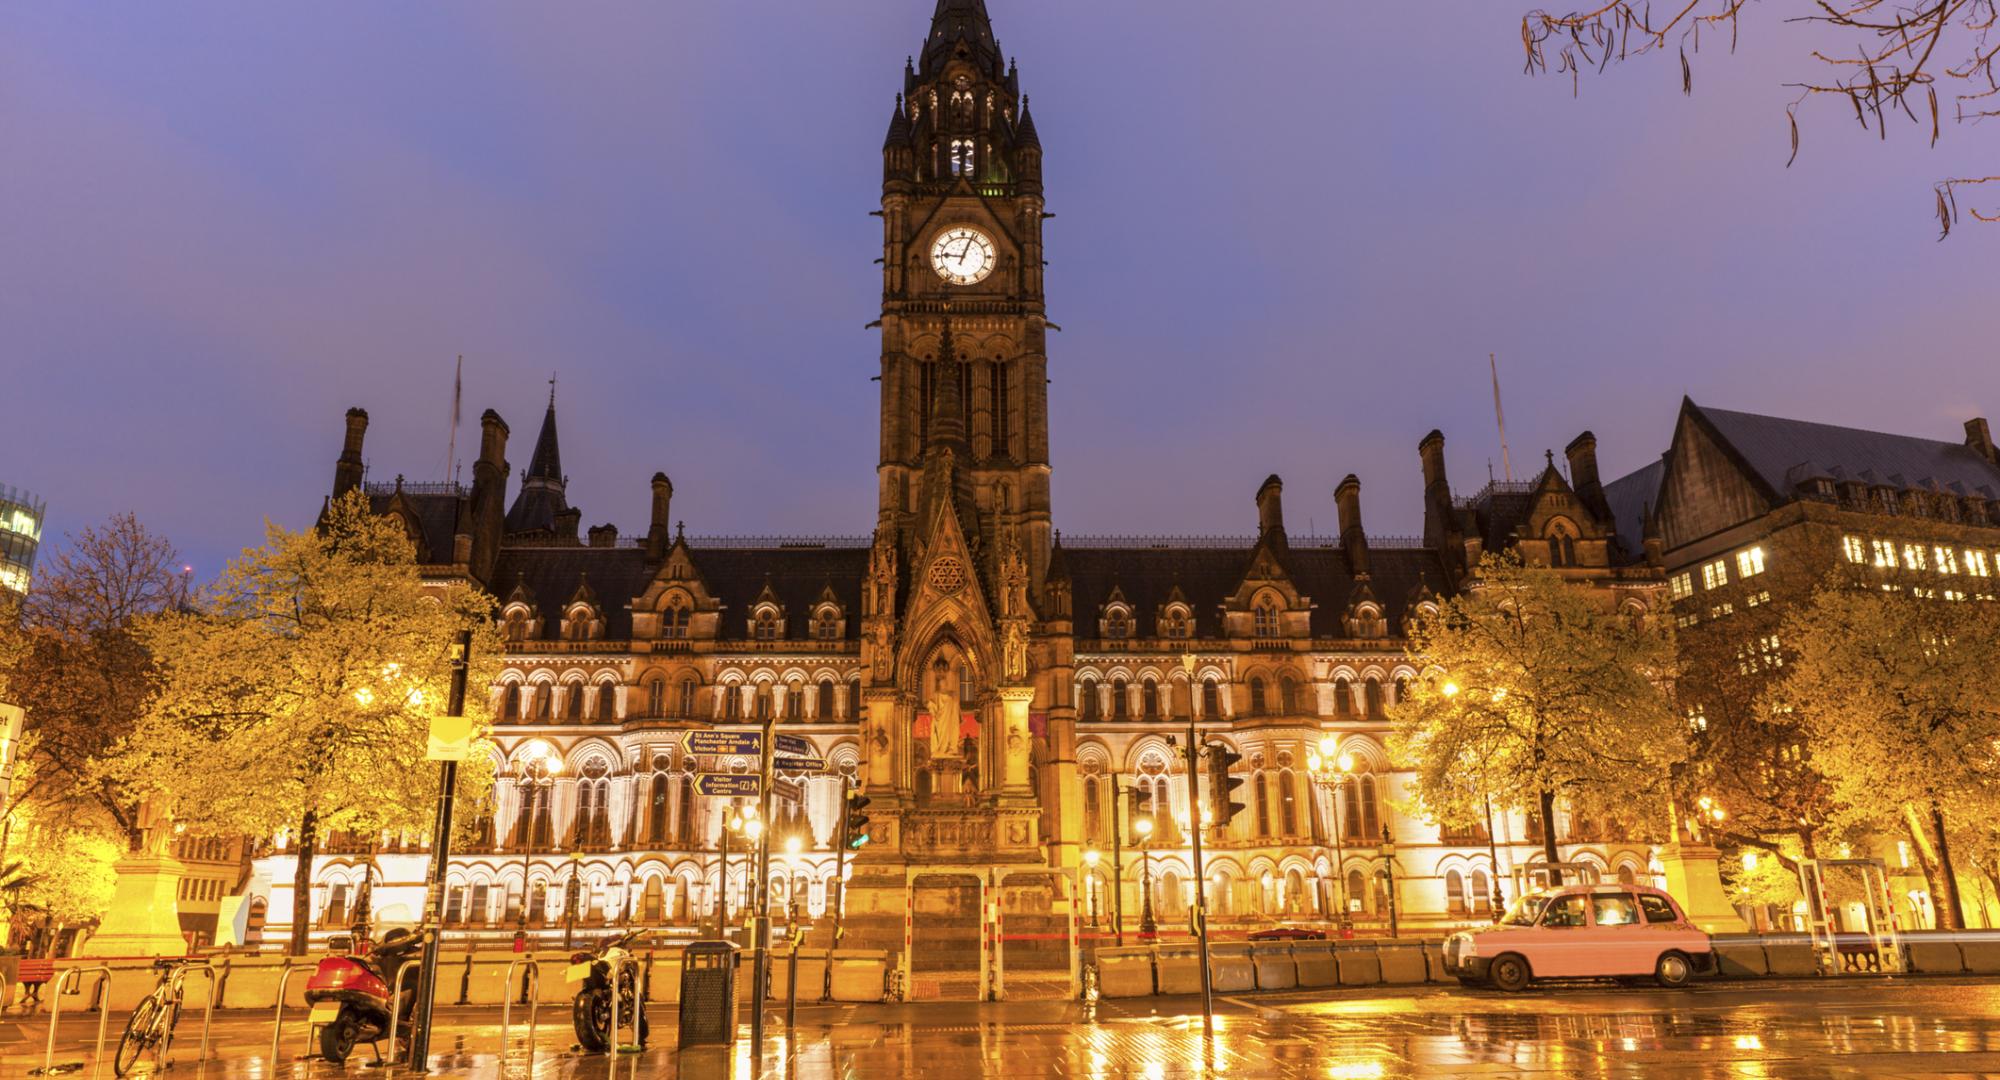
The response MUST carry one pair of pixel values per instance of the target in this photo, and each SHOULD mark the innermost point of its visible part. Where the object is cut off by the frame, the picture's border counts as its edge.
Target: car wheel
(1674, 970)
(1509, 972)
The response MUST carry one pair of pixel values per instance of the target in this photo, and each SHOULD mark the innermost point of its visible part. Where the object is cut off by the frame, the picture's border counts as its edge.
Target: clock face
(962, 256)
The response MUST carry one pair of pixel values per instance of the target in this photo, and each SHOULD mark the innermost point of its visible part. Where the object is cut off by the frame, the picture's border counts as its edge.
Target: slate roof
(956, 20)
(437, 517)
(1208, 576)
(734, 576)
(1783, 453)
(1630, 497)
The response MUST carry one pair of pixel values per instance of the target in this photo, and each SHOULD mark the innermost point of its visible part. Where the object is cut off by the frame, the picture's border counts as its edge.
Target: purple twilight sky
(1288, 234)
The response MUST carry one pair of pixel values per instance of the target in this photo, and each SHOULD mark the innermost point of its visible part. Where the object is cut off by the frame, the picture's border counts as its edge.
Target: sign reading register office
(992, 686)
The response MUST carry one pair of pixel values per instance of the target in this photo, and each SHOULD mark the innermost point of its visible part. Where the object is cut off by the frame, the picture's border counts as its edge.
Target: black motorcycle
(590, 972)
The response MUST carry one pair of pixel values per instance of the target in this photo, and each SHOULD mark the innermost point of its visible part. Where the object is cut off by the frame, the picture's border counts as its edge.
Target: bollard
(74, 976)
(396, 1003)
(178, 987)
(792, 984)
(278, 1024)
(618, 968)
(534, 1003)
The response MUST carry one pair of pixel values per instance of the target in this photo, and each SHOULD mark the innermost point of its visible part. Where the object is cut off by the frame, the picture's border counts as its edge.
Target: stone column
(1695, 879)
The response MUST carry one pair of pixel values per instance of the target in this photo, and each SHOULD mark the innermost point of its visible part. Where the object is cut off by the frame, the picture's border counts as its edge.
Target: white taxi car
(1583, 932)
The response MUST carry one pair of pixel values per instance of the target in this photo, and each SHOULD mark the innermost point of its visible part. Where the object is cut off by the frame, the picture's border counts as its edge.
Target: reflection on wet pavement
(1800, 1030)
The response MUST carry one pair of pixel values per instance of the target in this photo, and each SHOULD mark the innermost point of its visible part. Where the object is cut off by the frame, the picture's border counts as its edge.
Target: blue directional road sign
(727, 785)
(799, 764)
(724, 742)
(794, 746)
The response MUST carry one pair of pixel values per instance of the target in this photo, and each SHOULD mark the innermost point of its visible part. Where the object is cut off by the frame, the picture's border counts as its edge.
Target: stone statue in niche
(943, 700)
(1014, 652)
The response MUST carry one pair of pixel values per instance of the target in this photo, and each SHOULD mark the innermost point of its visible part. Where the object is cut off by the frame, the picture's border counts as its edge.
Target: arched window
(577, 626)
(1120, 701)
(1265, 619)
(515, 628)
(1288, 806)
(1256, 695)
(761, 701)
(1482, 892)
(684, 812)
(1087, 694)
(510, 702)
(825, 706)
(1371, 824)
(538, 903)
(1295, 891)
(1175, 624)
(1343, 698)
(1626, 876)
(1562, 544)
(652, 905)
(675, 623)
(1356, 889)
(854, 697)
(732, 702)
(593, 812)
(1263, 803)
(1149, 700)
(687, 696)
(573, 703)
(1211, 699)
(1093, 809)
(767, 627)
(1454, 894)
(826, 624)
(795, 702)
(1288, 695)
(656, 804)
(656, 696)
(607, 703)
(1372, 690)
(961, 157)
(1118, 624)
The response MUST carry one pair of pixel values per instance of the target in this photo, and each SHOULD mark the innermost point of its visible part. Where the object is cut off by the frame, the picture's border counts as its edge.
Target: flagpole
(451, 448)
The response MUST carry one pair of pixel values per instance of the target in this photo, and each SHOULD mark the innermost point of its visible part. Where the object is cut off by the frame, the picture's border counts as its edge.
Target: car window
(1657, 909)
(1525, 911)
(1614, 909)
(1564, 912)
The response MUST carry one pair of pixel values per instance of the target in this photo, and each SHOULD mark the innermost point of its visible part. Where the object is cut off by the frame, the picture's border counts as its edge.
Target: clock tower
(963, 317)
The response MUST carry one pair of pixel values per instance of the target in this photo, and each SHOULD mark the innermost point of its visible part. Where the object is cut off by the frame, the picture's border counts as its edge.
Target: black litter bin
(708, 994)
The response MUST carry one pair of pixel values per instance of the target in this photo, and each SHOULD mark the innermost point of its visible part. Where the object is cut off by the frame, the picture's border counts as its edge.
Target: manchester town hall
(1004, 696)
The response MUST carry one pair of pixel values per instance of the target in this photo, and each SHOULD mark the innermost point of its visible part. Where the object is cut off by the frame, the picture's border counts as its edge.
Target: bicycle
(153, 1020)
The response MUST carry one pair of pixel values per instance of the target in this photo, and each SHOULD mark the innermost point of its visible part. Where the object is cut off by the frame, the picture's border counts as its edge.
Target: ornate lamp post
(1090, 857)
(1147, 927)
(739, 821)
(1388, 850)
(572, 899)
(793, 845)
(1331, 770)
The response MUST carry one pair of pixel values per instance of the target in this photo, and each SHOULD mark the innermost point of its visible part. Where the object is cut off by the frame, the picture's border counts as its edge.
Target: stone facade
(1007, 697)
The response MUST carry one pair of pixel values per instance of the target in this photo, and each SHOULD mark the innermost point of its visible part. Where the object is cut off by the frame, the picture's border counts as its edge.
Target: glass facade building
(21, 517)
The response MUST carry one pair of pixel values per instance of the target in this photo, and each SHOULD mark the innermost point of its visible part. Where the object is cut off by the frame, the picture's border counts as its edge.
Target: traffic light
(856, 821)
(1221, 785)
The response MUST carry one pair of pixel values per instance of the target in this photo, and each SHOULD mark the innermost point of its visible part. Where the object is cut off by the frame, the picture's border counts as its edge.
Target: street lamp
(739, 821)
(1388, 850)
(538, 773)
(573, 899)
(1090, 857)
(1330, 770)
(1147, 927)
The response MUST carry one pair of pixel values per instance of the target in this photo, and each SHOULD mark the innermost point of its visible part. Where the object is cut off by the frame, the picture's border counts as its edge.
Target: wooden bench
(35, 974)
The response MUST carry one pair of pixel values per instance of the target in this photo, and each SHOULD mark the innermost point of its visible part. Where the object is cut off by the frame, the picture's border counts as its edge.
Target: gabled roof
(1207, 577)
(436, 515)
(1782, 453)
(1632, 497)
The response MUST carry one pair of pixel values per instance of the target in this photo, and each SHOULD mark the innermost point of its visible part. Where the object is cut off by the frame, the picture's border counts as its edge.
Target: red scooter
(350, 995)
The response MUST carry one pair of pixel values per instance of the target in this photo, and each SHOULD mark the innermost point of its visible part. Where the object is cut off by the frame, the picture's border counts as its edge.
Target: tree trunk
(1944, 863)
(1922, 850)
(1549, 836)
(302, 883)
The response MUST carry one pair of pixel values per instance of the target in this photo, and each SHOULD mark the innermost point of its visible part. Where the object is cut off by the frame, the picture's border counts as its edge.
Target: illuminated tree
(1883, 58)
(1537, 695)
(1891, 679)
(296, 695)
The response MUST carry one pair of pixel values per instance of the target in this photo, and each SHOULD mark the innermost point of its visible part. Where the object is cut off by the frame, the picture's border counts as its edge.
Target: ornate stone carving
(947, 575)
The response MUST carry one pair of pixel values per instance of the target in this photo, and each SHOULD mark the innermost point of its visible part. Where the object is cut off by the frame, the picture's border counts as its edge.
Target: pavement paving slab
(1807, 1029)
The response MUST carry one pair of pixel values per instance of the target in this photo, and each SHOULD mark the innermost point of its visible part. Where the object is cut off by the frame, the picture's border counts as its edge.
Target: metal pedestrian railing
(534, 970)
(74, 977)
(177, 987)
(278, 1024)
(396, 1005)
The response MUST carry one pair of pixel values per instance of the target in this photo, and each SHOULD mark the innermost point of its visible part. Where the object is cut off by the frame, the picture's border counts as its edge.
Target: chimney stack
(603, 536)
(1347, 499)
(348, 470)
(1582, 455)
(1271, 509)
(660, 531)
(1978, 436)
(1440, 518)
(489, 496)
